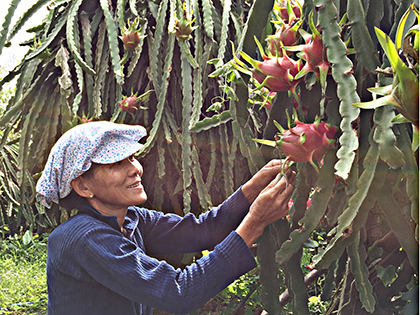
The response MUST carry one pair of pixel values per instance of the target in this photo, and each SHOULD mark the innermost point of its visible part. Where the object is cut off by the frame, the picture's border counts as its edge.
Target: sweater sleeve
(120, 265)
(172, 234)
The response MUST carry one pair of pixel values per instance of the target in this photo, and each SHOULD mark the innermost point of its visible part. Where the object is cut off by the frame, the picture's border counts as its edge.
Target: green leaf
(187, 54)
(101, 67)
(270, 143)
(161, 96)
(156, 54)
(202, 191)
(355, 215)
(207, 18)
(400, 29)
(27, 237)
(382, 101)
(57, 28)
(269, 272)
(25, 17)
(399, 225)
(186, 73)
(224, 32)
(87, 45)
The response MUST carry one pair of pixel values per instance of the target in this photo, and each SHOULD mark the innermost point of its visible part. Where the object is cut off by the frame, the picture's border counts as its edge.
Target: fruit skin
(306, 142)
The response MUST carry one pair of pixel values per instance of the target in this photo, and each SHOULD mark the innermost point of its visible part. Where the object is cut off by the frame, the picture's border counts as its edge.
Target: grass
(23, 287)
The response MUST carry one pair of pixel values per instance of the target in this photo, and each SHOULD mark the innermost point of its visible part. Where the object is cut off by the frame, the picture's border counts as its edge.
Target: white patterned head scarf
(72, 155)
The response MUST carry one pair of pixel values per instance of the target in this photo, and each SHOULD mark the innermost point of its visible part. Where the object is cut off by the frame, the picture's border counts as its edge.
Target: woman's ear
(80, 187)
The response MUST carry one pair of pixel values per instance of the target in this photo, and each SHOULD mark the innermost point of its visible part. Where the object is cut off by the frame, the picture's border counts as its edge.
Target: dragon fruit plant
(403, 93)
(305, 142)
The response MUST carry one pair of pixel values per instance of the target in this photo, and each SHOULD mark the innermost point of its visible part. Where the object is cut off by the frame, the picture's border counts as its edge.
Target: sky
(10, 56)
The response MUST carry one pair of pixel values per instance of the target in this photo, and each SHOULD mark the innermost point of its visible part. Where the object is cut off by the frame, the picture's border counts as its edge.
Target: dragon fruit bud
(129, 104)
(306, 142)
(183, 27)
(131, 37)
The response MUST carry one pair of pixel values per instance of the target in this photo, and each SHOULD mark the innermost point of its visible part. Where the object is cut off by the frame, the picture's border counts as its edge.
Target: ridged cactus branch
(113, 41)
(357, 255)
(363, 43)
(346, 84)
(314, 213)
(6, 23)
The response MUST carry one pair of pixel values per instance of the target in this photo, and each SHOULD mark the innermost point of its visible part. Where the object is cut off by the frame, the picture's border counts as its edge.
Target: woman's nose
(135, 167)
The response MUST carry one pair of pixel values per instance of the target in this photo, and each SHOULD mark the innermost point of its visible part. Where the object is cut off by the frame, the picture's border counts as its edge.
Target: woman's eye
(131, 158)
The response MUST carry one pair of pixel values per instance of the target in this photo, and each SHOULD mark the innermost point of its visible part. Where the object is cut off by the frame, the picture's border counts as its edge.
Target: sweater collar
(74, 201)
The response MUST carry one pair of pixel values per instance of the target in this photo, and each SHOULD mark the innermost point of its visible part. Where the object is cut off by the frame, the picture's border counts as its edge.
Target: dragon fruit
(288, 9)
(132, 103)
(277, 74)
(315, 54)
(286, 35)
(306, 142)
(131, 37)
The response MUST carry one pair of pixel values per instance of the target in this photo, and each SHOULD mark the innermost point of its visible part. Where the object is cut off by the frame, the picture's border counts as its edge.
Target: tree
(169, 66)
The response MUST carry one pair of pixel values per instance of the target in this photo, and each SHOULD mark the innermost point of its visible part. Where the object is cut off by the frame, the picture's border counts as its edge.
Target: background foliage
(200, 148)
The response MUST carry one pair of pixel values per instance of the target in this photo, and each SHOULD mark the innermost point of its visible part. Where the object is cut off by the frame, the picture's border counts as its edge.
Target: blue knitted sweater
(92, 268)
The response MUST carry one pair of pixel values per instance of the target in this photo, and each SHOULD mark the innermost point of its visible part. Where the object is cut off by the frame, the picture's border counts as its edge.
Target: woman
(100, 261)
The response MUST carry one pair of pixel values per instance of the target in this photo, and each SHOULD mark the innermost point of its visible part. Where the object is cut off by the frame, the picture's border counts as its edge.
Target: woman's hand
(252, 188)
(270, 206)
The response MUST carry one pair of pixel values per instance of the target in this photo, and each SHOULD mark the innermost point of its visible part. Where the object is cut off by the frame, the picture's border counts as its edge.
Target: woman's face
(118, 185)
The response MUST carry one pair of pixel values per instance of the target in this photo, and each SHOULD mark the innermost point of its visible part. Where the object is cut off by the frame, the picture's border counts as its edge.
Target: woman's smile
(117, 186)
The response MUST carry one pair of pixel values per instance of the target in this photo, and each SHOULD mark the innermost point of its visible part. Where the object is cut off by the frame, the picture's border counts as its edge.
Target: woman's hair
(91, 171)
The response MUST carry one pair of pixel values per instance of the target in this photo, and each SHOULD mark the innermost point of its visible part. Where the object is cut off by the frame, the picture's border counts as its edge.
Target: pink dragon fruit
(277, 74)
(315, 54)
(286, 13)
(306, 142)
(286, 35)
